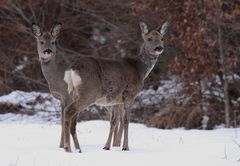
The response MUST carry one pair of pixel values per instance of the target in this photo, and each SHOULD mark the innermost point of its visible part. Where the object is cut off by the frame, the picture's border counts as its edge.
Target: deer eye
(41, 42)
(53, 43)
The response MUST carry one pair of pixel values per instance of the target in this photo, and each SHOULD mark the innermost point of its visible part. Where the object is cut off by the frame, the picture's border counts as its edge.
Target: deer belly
(105, 102)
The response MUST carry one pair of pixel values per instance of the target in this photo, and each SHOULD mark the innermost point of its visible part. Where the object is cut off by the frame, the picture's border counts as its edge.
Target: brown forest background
(202, 43)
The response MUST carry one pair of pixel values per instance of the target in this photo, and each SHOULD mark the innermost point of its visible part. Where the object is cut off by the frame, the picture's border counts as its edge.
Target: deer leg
(115, 134)
(74, 133)
(69, 113)
(66, 133)
(117, 139)
(62, 124)
(120, 132)
(126, 120)
(113, 121)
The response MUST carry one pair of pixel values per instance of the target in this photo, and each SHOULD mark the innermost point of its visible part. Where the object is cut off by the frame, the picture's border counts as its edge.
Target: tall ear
(56, 30)
(36, 30)
(143, 27)
(163, 29)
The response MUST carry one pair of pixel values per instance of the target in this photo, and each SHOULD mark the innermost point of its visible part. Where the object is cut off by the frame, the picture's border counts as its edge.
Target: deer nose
(47, 51)
(159, 48)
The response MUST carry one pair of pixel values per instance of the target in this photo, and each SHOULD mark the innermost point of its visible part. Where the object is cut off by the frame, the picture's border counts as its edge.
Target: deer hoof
(125, 149)
(79, 151)
(106, 148)
(67, 149)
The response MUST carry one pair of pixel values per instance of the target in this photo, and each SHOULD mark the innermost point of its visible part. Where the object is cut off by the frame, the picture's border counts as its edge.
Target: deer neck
(145, 62)
(52, 71)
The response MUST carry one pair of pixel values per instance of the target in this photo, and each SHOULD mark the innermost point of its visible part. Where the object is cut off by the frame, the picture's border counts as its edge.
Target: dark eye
(53, 43)
(149, 39)
(41, 42)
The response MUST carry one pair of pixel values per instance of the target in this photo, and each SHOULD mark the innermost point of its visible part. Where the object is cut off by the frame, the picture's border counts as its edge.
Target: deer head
(46, 42)
(153, 40)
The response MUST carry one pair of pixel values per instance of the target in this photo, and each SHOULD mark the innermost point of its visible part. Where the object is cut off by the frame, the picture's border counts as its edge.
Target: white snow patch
(32, 100)
(19, 67)
(37, 145)
(205, 121)
(150, 97)
(41, 106)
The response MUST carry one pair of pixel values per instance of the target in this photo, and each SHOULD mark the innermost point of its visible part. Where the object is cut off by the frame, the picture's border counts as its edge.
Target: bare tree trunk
(225, 80)
(226, 103)
(235, 122)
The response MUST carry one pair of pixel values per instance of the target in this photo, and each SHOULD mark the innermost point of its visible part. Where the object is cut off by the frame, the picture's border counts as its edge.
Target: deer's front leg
(119, 127)
(62, 126)
(126, 120)
(118, 138)
(115, 134)
(113, 123)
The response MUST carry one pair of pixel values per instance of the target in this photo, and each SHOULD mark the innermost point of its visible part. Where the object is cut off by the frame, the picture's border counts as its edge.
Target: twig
(25, 78)
(181, 140)
(19, 11)
(235, 122)
(225, 152)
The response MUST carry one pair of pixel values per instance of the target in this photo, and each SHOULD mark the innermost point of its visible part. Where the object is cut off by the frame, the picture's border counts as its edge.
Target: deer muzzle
(46, 55)
(158, 50)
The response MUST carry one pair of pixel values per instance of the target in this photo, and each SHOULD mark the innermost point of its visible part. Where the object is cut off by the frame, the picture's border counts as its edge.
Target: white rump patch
(72, 79)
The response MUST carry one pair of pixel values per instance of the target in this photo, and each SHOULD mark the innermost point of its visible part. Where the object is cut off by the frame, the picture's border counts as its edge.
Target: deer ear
(56, 30)
(36, 30)
(143, 27)
(163, 29)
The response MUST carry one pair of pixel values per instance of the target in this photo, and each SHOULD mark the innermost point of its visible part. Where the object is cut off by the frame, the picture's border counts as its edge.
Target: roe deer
(118, 110)
(98, 81)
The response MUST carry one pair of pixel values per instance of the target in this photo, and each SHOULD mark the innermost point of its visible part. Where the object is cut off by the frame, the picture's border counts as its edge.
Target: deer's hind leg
(85, 99)
(74, 133)
(70, 126)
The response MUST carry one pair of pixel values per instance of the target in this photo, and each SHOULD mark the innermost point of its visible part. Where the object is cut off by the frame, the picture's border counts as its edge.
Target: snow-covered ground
(37, 145)
(31, 137)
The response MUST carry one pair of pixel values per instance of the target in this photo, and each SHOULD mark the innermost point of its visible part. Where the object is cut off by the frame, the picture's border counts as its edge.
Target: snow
(43, 107)
(33, 140)
(149, 97)
(205, 121)
(32, 100)
(37, 145)
(21, 66)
